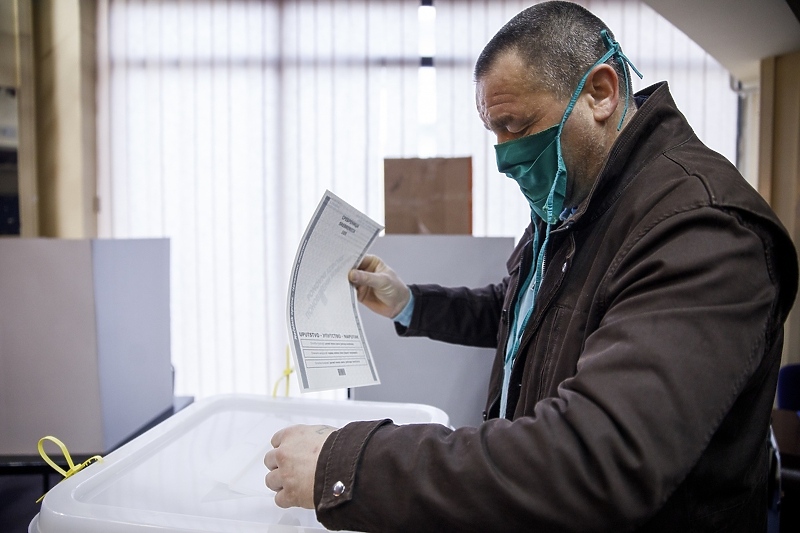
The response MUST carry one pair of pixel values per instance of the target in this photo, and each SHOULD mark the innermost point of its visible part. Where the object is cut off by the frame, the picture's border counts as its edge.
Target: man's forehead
(509, 69)
(510, 60)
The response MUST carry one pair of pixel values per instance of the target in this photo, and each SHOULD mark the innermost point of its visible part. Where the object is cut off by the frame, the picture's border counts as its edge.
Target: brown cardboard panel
(428, 196)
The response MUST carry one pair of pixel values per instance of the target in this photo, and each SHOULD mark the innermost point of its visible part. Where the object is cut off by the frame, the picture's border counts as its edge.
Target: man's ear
(602, 87)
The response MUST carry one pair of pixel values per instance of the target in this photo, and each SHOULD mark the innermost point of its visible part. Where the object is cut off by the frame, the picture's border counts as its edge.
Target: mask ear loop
(552, 217)
(616, 50)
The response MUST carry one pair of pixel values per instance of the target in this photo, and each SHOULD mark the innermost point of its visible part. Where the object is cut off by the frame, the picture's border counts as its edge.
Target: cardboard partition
(428, 196)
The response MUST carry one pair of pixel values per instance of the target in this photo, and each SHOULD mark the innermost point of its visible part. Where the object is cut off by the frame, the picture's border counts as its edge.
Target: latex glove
(378, 287)
(292, 464)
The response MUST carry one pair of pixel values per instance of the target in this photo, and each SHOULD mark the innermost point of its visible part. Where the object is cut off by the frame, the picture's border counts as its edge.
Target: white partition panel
(84, 341)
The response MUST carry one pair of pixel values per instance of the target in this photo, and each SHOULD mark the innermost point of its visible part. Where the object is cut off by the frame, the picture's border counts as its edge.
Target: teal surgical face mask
(536, 162)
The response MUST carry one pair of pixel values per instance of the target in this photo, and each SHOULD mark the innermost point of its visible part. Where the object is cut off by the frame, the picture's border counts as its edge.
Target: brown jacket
(642, 393)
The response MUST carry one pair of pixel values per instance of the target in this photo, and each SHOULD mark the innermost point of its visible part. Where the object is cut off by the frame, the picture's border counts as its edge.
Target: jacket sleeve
(689, 309)
(456, 315)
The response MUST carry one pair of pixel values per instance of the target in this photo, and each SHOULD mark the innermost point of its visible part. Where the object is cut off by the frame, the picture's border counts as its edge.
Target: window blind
(222, 122)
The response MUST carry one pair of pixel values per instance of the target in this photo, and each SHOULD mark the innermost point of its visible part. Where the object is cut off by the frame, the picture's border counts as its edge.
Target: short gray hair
(560, 41)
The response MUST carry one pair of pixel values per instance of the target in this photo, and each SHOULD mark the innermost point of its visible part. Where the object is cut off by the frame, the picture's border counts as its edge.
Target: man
(638, 333)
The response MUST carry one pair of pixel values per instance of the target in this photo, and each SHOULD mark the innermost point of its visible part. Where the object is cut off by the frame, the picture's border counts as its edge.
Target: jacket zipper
(513, 304)
(507, 325)
(540, 311)
(531, 326)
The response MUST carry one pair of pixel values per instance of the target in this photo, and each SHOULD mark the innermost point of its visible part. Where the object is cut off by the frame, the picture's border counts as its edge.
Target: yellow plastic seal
(287, 371)
(73, 468)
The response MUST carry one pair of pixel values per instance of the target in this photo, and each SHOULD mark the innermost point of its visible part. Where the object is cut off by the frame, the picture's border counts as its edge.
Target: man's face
(512, 105)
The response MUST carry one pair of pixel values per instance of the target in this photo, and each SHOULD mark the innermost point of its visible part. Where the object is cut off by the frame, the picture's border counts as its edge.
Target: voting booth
(202, 470)
(84, 341)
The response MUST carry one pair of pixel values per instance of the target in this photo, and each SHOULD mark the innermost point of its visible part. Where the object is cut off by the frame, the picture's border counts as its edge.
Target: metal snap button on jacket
(338, 489)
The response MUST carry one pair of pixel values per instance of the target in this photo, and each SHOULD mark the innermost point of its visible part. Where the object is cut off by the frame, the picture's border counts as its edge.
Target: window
(222, 123)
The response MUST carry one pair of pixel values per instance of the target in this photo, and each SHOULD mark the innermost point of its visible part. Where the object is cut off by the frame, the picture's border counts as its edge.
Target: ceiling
(737, 33)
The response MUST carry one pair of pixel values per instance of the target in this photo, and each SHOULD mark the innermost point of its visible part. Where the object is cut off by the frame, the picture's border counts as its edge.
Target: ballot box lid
(202, 470)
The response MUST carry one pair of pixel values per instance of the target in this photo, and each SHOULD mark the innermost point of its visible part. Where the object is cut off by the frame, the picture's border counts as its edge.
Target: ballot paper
(327, 338)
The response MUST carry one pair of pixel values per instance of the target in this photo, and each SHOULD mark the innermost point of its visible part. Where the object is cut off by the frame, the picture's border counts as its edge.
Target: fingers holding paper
(379, 287)
(292, 463)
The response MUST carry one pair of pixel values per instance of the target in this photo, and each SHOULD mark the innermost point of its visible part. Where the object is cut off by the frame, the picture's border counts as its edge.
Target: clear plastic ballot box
(203, 470)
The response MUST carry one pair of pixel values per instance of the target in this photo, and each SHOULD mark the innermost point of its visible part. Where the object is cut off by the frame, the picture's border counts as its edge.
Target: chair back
(789, 387)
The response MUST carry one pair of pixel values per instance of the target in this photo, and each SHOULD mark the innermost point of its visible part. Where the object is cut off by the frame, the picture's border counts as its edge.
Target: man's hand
(292, 463)
(379, 288)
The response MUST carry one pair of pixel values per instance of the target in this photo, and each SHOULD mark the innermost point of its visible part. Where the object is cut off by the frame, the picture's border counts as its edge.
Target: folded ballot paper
(327, 337)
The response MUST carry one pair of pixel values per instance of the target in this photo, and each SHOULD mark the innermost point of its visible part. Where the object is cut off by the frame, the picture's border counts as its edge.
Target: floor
(18, 495)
